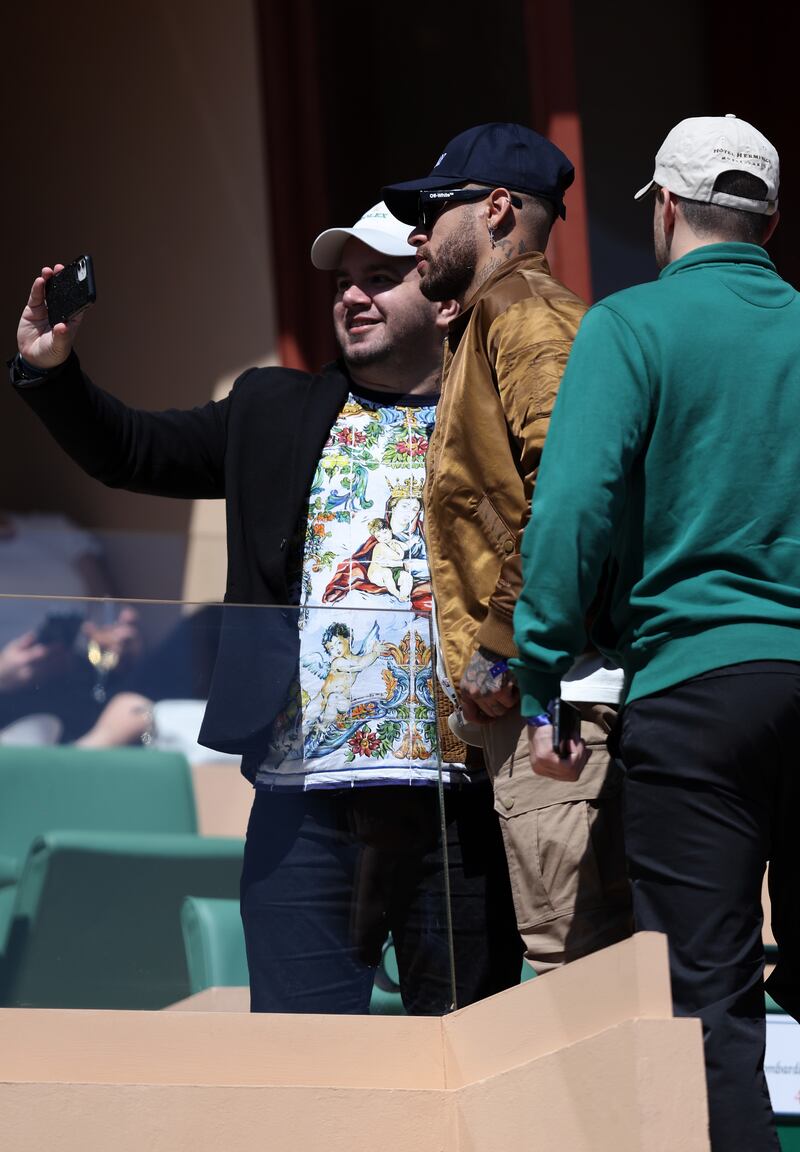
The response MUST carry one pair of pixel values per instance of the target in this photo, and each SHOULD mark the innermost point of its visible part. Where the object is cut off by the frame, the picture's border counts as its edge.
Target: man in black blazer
(325, 684)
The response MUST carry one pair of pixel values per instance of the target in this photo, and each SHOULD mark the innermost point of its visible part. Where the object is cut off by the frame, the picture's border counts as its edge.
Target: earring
(491, 236)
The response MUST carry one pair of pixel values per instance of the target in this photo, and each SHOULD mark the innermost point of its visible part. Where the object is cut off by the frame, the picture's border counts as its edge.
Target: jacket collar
(534, 260)
(726, 253)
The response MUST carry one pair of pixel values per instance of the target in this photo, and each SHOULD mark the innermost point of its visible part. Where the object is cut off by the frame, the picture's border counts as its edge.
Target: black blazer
(258, 449)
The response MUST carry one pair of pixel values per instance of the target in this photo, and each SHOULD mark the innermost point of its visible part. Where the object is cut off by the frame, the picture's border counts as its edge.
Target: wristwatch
(20, 372)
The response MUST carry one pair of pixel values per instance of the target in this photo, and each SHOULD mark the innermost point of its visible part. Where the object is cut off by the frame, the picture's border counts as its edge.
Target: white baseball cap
(700, 149)
(378, 229)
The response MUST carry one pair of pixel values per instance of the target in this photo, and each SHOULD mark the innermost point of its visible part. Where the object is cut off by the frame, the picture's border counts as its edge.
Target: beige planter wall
(223, 798)
(586, 1059)
(633, 1088)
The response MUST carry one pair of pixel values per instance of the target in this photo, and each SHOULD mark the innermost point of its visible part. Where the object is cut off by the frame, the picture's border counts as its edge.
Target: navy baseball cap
(500, 155)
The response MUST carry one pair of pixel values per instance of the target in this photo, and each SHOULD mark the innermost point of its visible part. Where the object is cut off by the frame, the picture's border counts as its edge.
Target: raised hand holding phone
(40, 343)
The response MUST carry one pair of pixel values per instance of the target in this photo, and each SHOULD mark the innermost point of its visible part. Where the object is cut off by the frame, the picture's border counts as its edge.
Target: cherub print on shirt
(386, 566)
(362, 710)
(342, 662)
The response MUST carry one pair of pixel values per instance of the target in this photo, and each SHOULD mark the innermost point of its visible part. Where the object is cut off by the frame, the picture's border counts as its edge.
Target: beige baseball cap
(377, 228)
(700, 149)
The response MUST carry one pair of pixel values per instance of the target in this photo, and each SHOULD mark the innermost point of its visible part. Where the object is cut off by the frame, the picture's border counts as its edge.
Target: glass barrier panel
(137, 742)
(50, 554)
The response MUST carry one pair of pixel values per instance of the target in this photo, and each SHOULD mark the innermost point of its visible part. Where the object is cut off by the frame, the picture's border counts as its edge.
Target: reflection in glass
(343, 885)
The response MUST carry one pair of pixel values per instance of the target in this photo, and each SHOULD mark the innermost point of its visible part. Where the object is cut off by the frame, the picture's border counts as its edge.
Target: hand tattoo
(478, 678)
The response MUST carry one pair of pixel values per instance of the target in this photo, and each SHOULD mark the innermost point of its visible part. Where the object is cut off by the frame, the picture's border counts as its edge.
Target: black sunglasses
(431, 203)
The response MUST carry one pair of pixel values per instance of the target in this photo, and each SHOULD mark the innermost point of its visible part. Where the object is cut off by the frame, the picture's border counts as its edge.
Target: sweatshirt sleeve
(598, 428)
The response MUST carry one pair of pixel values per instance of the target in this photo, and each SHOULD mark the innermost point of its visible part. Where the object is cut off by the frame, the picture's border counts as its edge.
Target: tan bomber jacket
(504, 358)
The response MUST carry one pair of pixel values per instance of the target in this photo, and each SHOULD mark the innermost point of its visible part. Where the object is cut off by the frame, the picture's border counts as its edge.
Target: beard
(450, 273)
(660, 244)
(361, 355)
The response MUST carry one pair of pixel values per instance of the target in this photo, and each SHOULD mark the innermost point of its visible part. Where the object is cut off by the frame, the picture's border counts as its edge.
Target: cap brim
(402, 200)
(643, 191)
(326, 251)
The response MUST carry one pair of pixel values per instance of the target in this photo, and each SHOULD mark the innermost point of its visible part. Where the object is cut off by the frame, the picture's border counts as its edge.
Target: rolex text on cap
(377, 228)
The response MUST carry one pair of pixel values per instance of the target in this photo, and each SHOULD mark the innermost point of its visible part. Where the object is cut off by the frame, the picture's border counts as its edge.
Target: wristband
(540, 721)
(21, 372)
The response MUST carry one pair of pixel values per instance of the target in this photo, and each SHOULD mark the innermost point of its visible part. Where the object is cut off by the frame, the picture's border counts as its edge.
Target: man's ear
(448, 310)
(668, 208)
(498, 207)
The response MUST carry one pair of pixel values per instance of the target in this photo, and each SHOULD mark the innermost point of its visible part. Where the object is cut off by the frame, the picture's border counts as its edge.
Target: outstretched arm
(169, 453)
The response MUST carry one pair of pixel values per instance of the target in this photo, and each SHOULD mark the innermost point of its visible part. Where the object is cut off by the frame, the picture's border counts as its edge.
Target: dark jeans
(328, 874)
(711, 794)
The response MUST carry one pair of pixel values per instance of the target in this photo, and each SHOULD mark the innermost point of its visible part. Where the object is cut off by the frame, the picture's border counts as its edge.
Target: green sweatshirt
(670, 478)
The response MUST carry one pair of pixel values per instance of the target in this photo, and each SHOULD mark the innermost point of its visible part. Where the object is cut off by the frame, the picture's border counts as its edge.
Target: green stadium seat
(214, 943)
(386, 999)
(63, 787)
(215, 953)
(96, 919)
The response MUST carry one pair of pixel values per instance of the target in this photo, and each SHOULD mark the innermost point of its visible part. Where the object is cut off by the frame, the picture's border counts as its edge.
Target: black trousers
(712, 780)
(328, 874)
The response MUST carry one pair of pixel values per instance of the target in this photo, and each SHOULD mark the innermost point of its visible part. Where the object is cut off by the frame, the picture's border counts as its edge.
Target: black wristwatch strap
(21, 372)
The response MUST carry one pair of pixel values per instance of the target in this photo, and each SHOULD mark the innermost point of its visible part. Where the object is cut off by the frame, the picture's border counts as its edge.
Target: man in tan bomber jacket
(480, 224)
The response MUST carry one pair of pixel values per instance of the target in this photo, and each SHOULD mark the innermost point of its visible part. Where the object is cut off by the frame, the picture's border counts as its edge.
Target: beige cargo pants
(564, 842)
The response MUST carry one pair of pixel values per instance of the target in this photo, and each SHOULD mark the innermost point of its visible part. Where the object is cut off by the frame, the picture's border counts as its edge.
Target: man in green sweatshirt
(672, 469)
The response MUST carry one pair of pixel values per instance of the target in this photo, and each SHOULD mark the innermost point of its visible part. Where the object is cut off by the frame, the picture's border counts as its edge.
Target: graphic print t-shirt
(361, 711)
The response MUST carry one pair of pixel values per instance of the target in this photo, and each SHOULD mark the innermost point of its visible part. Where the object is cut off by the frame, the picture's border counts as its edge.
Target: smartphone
(70, 291)
(566, 726)
(59, 628)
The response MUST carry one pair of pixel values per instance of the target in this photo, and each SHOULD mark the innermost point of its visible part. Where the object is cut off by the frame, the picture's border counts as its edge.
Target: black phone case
(566, 726)
(70, 290)
(60, 628)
